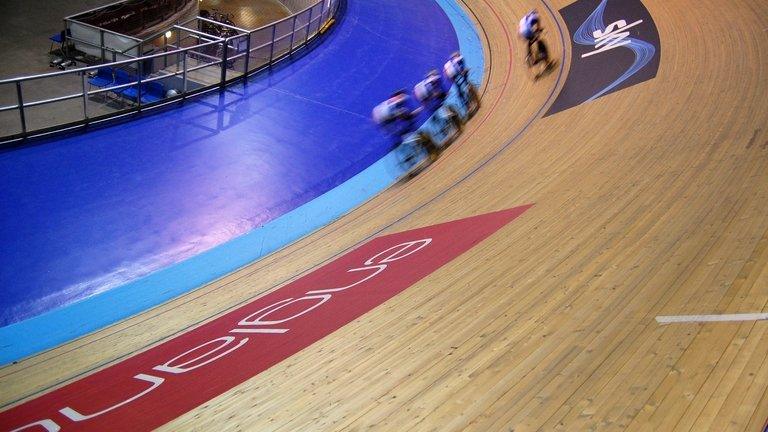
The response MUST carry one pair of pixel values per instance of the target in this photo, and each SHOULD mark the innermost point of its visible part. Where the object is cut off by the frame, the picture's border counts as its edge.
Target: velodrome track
(649, 201)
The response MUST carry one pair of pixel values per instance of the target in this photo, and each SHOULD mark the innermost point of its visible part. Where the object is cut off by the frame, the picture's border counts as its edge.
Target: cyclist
(394, 108)
(456, 69)
(430, 88)
(530, 29)
(411, 153)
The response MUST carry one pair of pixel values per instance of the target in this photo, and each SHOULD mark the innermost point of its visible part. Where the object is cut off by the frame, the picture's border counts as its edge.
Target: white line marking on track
(711, 318)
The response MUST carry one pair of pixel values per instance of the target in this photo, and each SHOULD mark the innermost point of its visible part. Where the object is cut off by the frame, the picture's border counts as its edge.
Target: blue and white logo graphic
(607, 57)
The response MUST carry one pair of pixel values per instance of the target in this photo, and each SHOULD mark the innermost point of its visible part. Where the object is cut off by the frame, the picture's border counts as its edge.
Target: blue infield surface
(139, 212)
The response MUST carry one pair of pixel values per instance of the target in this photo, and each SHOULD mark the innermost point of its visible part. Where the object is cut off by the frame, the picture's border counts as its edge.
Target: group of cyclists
(400, 110)
(431, 92)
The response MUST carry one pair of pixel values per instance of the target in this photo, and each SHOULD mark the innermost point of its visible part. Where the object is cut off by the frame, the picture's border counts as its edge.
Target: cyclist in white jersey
(530, 25)
(456, 69)
(530, 29)
(394, 108)
(430, 88)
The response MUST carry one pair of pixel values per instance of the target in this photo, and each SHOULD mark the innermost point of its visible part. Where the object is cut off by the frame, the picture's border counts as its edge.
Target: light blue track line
(469, 40)
(53, 328)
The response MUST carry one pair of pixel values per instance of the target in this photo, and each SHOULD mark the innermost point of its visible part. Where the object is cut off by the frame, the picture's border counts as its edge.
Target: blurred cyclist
(430, 88)
(456, 69)
(530, 29)
(394, 108)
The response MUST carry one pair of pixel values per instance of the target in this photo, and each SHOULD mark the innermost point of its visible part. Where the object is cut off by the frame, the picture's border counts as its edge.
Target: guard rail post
(103, 53)
(293, 33)
(225, 49)
(178, 47)
(247, 55)
(85, 98)
(272, 46)
(138, 85)
(184, 74)
(20, 100)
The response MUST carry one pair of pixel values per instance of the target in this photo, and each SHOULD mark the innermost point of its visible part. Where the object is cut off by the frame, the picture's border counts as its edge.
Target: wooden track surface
(650, 201)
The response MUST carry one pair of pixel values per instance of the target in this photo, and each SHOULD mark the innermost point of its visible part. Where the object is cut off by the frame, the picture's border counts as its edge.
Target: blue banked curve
(84, 214)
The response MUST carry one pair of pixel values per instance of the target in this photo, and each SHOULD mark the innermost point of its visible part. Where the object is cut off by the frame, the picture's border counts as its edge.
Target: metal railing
(110, 45)
(210, 62)
(104, 46)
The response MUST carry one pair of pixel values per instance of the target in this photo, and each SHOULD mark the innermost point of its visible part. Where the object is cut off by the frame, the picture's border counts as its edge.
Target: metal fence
(99, 42)
(191, 62)
(297, 5)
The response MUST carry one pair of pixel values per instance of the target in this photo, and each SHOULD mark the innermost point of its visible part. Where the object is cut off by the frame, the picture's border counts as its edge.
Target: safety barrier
(93, 94)
(297, 5)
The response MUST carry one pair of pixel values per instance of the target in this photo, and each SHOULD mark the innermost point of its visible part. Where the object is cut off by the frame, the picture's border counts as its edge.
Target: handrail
(162, 32)
(112, 64)
(74, 18)
(201, 34)
(223, 54)
(101, 29)
(106, 48)
(220, 24)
